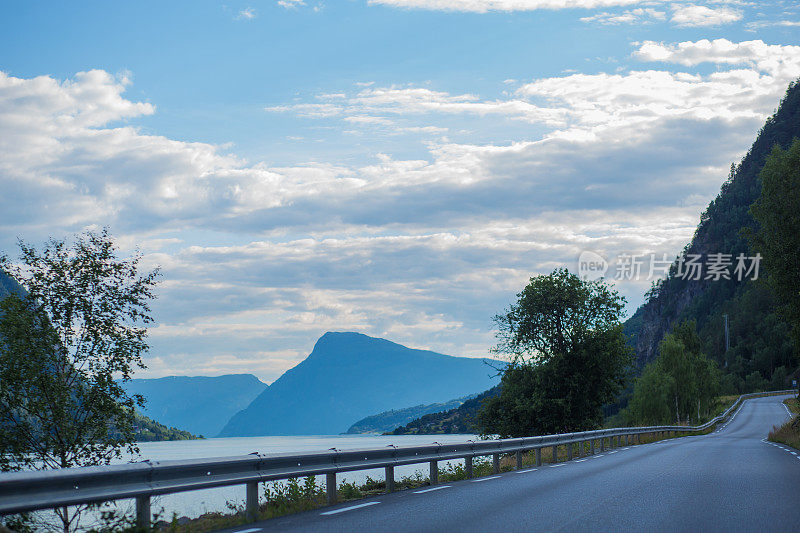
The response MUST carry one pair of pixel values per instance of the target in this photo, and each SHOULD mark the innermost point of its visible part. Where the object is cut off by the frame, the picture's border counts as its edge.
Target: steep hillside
(349, 376)
(758, 337)
(389, 420)
(198, 404)
(146, 429)
(8, 285)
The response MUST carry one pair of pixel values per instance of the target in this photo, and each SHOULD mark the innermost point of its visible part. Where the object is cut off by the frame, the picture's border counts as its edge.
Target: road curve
(731, 480)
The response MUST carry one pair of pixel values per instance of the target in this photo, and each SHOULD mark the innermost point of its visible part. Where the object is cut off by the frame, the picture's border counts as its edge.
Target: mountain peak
(349, 376)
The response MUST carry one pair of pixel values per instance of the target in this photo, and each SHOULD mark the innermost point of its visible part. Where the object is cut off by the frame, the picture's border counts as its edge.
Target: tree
(80, 326)
(680, 385)
(554, 314)
(652, 396)
(567, 357)
(777, 237)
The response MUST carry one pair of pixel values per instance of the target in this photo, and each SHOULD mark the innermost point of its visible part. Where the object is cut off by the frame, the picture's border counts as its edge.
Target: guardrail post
(555, 454)
(468, 466)
(389, 479)
(602, 444)
(580, 448)
(251, 502)
(143, 511)
(538, 457)
(591, 443)
(434, 472)
(519, 459)
(330, 487)
(569, 452)
(496, 463)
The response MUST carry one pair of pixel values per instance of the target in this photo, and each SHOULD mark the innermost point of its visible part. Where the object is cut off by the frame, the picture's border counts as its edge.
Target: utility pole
(727, 340)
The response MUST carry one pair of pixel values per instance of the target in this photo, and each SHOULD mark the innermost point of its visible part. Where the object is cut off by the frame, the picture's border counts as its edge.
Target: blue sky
(395, 167)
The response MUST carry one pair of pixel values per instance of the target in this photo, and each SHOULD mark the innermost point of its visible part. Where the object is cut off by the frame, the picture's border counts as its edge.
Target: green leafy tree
(80, 326)
(652, 396)
(680, 385)
(777, 238)
(567, 357)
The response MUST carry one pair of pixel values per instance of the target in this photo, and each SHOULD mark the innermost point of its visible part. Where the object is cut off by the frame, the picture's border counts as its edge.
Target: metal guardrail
(48, 489)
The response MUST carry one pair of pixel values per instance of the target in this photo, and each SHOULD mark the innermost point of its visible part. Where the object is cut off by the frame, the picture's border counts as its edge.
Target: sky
(399, 168)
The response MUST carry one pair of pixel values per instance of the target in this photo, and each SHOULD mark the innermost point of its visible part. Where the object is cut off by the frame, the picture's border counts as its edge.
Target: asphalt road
(729, 480)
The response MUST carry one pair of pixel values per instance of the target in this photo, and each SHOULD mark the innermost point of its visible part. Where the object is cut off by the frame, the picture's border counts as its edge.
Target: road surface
(729, 480)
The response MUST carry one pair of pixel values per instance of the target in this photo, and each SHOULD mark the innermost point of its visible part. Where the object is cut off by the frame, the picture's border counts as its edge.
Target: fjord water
(195, 503)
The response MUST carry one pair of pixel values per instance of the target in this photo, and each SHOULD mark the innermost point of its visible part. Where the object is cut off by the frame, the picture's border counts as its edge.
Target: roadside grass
(788, 433)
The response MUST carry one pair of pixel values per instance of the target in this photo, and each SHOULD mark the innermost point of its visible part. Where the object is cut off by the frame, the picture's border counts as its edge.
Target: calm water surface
(195, 503)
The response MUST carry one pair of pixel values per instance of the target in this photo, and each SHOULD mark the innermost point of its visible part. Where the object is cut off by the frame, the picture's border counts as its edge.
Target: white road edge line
(359, 506)
(581, 460)
(557, 465)
(251, 530)
(440, 487)
(526, 471)
(485, 479)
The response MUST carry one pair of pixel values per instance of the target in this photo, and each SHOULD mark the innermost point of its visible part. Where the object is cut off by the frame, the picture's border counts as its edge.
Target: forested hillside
(761, 352)
(458, 420)
(8, 285)
(146, 429)
(389, 420)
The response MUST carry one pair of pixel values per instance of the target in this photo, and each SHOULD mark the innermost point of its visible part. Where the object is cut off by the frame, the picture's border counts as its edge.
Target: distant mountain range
(201, 405)
(389, 420)
(349, 376)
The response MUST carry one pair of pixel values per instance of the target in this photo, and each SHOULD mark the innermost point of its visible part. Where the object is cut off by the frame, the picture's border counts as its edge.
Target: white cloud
(697, 15)
(291, 4)
(364, 105)
(638, 16)
(447, 238)
(247, 14)
(780, 61)
(483, 6)
(757, 25)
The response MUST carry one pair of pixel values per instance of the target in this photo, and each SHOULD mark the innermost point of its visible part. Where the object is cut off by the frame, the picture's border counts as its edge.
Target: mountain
(458, 420)
(389, 420)
(199, 404)
(759, 344)
(349, 376)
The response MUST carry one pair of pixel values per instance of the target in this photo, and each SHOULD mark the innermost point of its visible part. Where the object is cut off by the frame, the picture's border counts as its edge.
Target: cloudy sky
(394, 167)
